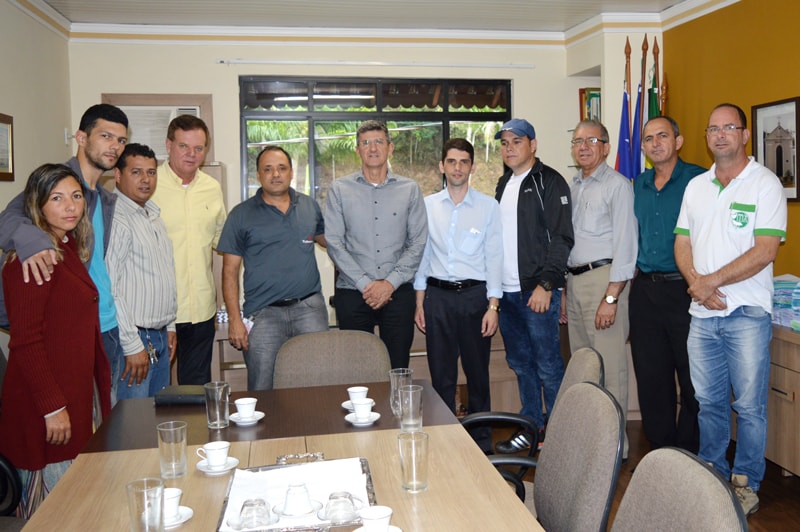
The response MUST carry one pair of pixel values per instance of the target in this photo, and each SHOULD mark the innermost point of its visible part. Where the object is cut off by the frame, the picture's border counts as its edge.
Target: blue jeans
(113, 349)
(157, 376)
(732, 353)
(272, 326)
(533, 351)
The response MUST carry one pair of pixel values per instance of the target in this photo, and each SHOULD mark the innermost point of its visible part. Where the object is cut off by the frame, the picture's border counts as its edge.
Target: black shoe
(520, 441)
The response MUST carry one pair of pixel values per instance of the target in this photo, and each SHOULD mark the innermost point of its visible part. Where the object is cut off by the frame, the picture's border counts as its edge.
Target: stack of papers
(786, 302)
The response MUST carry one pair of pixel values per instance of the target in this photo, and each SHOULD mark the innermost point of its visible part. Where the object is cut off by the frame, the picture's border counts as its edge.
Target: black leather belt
(577, 270)
(658, 277)
(454, 285)
(288, 302)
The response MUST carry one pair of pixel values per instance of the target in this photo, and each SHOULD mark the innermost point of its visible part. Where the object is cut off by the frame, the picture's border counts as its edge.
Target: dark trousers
(195, 346)
(659, 327)
(395, 320)
(453, 329)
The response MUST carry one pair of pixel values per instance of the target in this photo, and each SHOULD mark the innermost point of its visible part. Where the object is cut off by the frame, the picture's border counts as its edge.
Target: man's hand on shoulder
(40, 266)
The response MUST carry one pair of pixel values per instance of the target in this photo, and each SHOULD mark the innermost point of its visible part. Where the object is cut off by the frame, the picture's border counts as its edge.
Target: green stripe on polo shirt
(681, 231)
(769, 232)
(744, 207)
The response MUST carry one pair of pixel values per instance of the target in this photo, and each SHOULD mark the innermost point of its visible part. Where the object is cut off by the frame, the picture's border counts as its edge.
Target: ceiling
(490, 15)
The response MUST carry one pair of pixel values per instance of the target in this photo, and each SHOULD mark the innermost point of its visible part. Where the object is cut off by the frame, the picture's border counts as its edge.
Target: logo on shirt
(740, 214)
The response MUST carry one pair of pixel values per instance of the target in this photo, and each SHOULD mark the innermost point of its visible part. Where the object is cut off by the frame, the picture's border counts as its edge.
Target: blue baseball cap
(518, 126)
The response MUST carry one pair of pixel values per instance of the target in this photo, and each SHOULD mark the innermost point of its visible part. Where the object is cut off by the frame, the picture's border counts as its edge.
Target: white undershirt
(508, 213)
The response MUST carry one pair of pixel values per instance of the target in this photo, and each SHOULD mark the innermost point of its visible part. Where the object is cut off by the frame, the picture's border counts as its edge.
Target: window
(315, 121)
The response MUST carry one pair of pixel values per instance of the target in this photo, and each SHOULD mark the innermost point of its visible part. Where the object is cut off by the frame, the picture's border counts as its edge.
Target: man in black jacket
(536, 210)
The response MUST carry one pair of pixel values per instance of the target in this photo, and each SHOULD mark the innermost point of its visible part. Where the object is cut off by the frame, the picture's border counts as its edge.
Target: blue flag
(636, 138)
(623, 164)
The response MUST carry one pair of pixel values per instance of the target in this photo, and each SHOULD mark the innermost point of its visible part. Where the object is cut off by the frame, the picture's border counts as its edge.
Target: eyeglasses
(589, 140)
(366, 143)
(727, 128)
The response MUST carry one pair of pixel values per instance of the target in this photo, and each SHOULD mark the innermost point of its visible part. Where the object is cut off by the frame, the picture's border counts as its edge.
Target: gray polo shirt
(277, 248)
(375, 232)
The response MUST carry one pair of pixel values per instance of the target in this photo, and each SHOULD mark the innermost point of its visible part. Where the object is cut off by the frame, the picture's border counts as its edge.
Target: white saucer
(202, 465)
(184, 514)
(315, 507)
(373, 417)
(347, 405)
(357, 503)
(391, 528)
(246, 422)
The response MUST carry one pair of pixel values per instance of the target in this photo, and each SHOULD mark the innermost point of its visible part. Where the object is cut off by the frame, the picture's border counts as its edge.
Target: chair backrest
(331, 357)
(672, 489)
(579, 464)
(10, 487)
(585, 365)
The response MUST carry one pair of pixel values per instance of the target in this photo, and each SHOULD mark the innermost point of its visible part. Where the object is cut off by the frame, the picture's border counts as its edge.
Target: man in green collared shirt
(659, 301)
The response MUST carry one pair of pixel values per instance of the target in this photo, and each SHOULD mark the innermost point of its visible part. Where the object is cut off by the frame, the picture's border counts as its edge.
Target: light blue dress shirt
(465, 241)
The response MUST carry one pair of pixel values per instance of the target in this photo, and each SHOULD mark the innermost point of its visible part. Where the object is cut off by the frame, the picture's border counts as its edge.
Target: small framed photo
(6, 148)
(775, 127)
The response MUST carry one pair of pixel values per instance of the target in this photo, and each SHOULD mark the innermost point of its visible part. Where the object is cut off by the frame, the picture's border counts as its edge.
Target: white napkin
(321, 479)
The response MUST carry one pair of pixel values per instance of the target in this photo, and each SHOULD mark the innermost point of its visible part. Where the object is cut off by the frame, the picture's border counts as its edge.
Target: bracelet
(494, 308)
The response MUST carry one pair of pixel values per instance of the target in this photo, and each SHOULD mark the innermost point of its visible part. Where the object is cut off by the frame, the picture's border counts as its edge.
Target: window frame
(445, 116)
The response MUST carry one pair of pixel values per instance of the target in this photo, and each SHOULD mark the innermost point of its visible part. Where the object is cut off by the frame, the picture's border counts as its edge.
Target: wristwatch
(546, 285)
(611, 300)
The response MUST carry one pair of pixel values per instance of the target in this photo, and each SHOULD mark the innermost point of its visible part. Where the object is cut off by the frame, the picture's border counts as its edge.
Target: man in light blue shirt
(461, 269)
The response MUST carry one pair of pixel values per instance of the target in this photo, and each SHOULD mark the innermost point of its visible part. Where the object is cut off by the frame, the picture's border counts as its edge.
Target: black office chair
(512, 472)
(10, 493)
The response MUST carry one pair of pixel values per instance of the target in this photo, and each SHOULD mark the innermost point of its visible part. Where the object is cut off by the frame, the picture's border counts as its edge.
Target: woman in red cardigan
(56, 354)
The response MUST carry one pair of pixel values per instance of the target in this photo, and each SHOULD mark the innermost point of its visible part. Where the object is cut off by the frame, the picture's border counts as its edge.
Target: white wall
(543, 94)
(35, 91)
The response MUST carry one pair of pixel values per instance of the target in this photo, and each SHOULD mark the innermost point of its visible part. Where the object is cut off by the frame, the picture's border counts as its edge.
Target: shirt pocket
(596, 219)
(741, 218)
(470, 241)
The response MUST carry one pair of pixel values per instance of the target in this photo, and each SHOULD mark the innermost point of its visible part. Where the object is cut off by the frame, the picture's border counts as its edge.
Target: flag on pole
(636, 138)
(653, 111)
(623, 163)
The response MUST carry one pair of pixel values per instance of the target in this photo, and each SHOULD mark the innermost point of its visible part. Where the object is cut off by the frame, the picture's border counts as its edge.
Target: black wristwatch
(546, 285)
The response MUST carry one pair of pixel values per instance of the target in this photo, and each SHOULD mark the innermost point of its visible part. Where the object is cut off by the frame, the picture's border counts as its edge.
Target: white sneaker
(747, 497)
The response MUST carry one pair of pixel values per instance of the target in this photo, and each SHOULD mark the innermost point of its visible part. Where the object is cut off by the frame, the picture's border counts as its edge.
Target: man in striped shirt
(142, 270)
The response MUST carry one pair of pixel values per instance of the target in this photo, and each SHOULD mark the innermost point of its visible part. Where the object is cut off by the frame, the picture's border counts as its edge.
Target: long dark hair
(40, 184)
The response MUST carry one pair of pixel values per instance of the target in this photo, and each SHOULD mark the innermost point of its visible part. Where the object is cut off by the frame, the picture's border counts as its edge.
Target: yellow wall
(34, 90)
(744, 54)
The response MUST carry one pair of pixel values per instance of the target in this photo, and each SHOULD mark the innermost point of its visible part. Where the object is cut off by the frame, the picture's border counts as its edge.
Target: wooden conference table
(465, 491)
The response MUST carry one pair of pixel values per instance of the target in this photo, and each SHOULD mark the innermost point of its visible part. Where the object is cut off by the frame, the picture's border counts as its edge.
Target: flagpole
(655, 63)
(662, 95)
(628, 72)
(644, 75)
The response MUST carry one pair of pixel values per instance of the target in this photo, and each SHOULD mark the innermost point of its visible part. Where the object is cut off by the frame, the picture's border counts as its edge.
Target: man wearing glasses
(376, 228)
(731, 223)
(603, 258)
(659, 303)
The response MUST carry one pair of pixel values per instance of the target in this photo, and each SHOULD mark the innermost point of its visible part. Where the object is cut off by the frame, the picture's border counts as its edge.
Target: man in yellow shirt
(193, 210)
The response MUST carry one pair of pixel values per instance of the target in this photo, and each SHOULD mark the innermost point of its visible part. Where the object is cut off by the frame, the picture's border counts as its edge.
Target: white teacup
(376, 518)
(362, 408)
(357, 392)
(215, 453)
(298, 501)
(172, 501)
(246, 407)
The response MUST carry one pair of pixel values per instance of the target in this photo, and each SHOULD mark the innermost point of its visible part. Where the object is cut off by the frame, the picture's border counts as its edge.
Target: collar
(175, 177)
(149, 209)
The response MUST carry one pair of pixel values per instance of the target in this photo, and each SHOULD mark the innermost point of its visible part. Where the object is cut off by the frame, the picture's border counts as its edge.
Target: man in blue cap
(536, 211)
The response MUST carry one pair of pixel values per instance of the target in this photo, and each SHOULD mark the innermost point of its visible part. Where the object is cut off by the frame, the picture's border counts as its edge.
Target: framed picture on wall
(775, 127)
(6, 148)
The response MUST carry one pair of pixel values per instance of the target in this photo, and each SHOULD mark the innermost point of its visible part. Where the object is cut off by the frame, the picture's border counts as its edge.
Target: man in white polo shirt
(732, 221)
